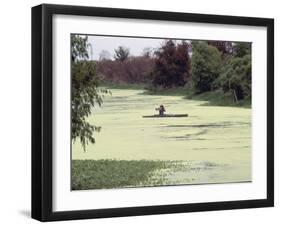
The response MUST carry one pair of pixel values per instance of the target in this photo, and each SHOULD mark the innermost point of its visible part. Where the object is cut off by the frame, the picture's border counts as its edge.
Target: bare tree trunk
(234, 93)
(235, 96)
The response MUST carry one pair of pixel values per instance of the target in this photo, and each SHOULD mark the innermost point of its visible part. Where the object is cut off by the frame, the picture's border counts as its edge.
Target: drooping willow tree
(85, 91)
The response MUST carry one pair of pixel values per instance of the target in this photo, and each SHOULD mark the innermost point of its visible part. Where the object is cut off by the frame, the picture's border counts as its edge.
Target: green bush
(172, 65)
(206, 66)
(236, 77)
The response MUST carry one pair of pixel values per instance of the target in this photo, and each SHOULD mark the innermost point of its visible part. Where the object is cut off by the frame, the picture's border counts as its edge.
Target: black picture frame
(42, 111)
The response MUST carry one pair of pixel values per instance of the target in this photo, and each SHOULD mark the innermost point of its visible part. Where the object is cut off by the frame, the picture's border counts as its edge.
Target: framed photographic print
(146, 112)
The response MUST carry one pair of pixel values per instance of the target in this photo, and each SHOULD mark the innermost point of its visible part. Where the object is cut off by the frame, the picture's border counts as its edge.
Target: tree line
(201, 66)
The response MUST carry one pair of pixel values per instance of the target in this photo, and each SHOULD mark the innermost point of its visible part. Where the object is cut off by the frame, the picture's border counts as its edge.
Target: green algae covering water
(211, 145)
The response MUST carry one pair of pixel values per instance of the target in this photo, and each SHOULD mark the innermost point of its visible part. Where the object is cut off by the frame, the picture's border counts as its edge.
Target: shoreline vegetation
(214, 98)
(218, 72)
(107, 173)
(113, 173)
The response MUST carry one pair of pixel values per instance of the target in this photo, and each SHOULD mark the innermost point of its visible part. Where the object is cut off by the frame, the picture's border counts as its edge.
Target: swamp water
(211, 145)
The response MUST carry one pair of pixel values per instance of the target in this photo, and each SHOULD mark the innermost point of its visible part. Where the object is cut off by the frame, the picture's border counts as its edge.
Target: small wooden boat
(165, 116)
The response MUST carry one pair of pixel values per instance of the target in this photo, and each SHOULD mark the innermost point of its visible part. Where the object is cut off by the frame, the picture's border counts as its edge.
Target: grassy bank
(218, 98)
(123, 86)
(100, 174)
(214, 98)
(179, 91)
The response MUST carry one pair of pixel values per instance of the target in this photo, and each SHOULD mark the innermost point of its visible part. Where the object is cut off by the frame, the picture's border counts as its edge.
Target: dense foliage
(206, 66)
(242, 49)
(236, 77)
(85, 91)
(222, 66)
(134, 70)
(122, 53)
(172, 65)
(224, 47)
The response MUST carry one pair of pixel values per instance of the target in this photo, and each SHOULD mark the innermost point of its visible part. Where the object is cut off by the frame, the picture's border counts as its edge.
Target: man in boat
(161, 110)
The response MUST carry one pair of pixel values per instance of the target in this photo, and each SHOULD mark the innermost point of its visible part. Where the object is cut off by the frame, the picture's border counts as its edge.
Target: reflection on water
(214, 142)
